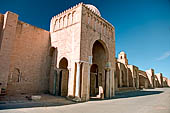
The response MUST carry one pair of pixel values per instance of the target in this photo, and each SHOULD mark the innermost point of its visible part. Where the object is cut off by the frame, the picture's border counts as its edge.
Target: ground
(145, 101)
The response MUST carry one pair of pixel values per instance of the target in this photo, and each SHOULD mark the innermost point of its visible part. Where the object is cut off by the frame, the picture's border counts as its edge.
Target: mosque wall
(1, 27)
(65, 31)
(143, 79)
(94, 27)
(24, 65)
(29, 66)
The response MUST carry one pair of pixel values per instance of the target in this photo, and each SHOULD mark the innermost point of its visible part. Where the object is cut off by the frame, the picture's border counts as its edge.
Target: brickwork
(24, 57)
(30, 57)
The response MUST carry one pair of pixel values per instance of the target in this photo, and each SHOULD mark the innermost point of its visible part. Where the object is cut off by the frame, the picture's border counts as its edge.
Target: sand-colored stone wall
(93, 28)
(151, 77)
(135, 75)
(7, 38)
(143, 79)
(160, 79)
(65, 33)
(1, 27)
(24, 56)
(168, 82)
(29, 65)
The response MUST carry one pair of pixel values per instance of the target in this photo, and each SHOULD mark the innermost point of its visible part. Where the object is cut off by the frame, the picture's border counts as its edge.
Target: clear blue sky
(142, 26)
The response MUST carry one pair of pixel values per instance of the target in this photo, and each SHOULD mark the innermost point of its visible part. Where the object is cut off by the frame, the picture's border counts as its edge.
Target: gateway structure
(83, 49)
(76, 58)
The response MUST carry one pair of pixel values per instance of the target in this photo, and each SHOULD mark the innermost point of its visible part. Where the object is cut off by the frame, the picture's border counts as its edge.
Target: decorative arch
(104, 46)
(63, 64)
(64, 21)
(63, 57)
(69, 19)
(60, 22)
(74, 16)
(98, 71)
(63, 77)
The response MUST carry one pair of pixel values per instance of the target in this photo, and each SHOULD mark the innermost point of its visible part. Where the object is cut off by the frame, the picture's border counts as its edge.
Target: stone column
(71, 80)
(107, 83)
(88, 83)
(85, 81)
(88, 80)
(111, 84)
(113, 81)
(69, 76)
(78, 80)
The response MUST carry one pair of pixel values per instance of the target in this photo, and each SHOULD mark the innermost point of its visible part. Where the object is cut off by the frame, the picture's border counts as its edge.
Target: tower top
(123, 58)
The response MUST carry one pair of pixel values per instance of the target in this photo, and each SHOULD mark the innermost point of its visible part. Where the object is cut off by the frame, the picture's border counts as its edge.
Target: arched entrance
(63, 77)
(97, 70)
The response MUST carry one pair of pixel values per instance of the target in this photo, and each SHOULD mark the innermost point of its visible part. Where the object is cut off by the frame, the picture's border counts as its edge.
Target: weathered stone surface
(24, 62)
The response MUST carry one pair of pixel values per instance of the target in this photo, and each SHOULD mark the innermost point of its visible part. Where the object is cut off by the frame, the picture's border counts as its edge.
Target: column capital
(78, 62)
(107, 68)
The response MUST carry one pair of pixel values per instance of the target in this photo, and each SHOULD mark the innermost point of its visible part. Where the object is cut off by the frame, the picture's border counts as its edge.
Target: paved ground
(146, 101)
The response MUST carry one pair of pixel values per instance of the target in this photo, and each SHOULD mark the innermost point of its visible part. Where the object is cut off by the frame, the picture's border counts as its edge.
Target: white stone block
(35, 97)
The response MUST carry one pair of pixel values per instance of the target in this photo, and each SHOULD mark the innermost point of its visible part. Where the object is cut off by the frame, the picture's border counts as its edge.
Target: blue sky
(142, 26)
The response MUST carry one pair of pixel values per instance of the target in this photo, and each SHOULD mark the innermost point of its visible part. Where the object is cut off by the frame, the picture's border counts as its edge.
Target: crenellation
(65, 19)
(102, 19)
(75, 59)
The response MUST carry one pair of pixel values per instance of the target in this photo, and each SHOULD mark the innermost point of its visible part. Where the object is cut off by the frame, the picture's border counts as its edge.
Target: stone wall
(160, 79)
(95, 28)
(29, 60)
(65, 31)
(151, 77)
(1, 27)
(143, 79)
(135, 75)
(168, 82)
(165, 82)
(7, 38)
(27, 57)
